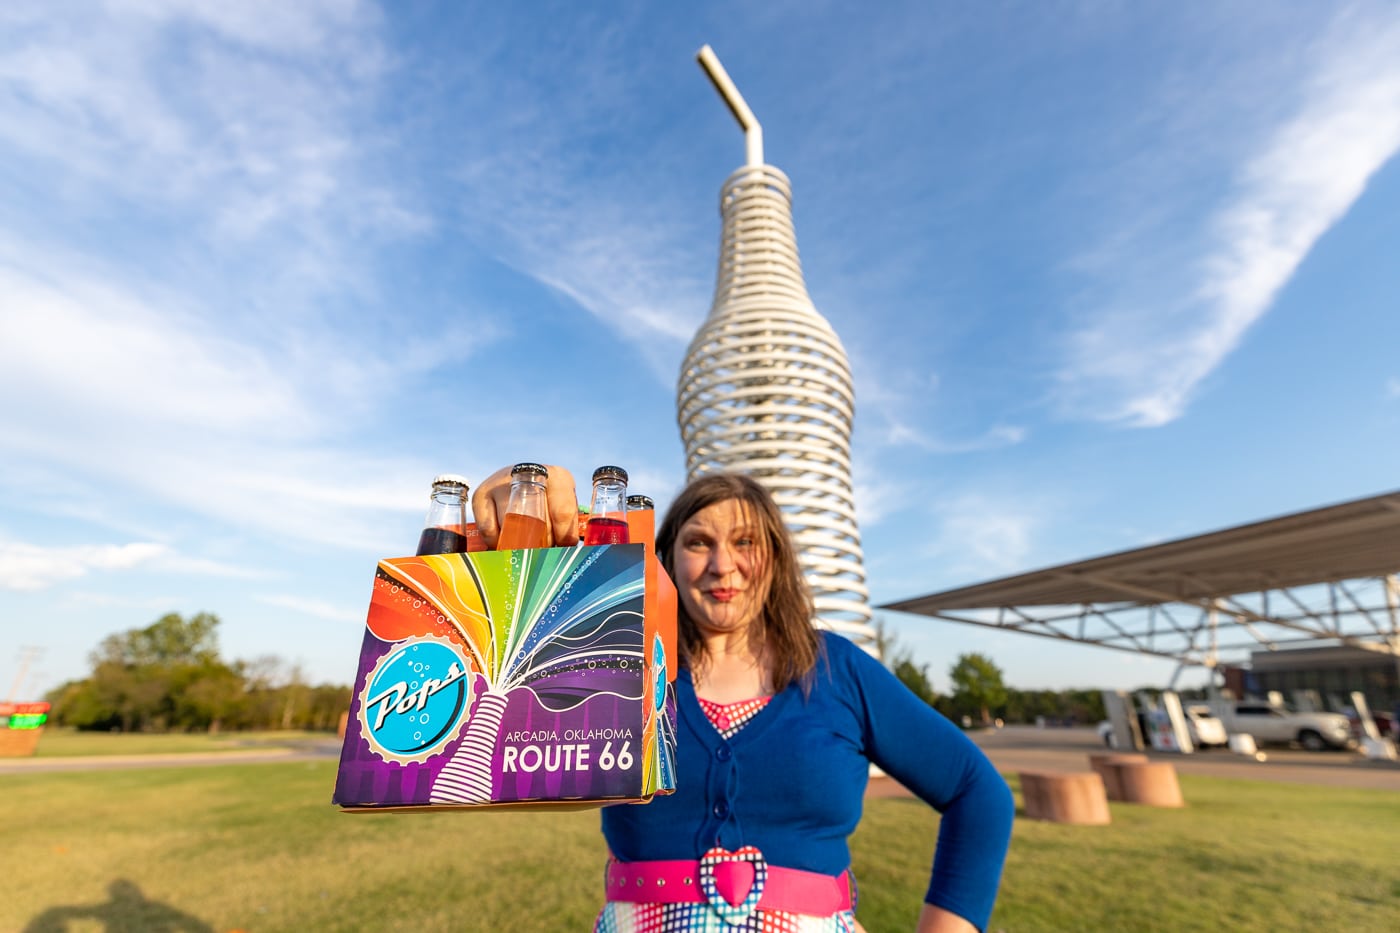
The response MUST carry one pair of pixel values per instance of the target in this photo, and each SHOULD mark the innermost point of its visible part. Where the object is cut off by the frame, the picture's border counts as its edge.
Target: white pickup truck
(1276, 725)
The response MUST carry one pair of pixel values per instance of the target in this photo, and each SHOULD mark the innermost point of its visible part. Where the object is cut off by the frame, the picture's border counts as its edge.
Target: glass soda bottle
(641, 520)
(607, 515)
(445, 528)
(526, 524)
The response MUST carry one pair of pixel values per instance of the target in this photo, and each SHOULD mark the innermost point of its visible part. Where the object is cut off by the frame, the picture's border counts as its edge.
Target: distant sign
(23, 715)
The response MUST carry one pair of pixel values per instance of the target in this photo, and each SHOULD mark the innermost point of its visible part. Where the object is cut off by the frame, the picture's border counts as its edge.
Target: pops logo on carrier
(416, 699)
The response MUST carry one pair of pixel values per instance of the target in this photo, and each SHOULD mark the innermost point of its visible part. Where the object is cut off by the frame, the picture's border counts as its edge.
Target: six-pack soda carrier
(525, 676)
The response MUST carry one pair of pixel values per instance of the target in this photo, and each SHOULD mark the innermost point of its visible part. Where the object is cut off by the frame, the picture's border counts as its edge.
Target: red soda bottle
(445, 528)
(607, 516)
(526, 524)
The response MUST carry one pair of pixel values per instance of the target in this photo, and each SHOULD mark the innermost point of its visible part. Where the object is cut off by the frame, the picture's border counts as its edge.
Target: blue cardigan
(792, 782)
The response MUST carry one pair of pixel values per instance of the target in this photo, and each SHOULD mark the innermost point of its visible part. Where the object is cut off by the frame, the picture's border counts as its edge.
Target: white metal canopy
(1325, 575)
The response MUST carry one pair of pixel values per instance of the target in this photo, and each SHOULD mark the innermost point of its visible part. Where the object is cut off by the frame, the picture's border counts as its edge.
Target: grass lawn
(259, 848)
(70, 743)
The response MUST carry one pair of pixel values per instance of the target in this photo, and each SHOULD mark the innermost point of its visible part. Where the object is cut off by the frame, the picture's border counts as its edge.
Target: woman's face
(721, 567)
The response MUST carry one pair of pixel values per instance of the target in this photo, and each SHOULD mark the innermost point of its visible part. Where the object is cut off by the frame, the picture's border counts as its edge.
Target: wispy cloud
(313, 607)
(197, 341)
(876, 499)
(172, 409)
(1141, 362)
(173, 562)
(259, 125)
(620, 262)
(247, 109)
(87, 600)
(136, 363)
(1392, 388)
(997, 436)
(27, 567)
(895, 404)
(980, 536)
(550, 196)
(32, 567)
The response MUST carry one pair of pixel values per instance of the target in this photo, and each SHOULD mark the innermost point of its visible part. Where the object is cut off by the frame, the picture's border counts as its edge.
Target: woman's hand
(937, 920)
(490, 499)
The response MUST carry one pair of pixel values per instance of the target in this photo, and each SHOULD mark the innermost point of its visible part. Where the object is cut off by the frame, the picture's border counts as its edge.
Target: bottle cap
(450, 479)
(640, 503)
(535, 469)
(610, 472)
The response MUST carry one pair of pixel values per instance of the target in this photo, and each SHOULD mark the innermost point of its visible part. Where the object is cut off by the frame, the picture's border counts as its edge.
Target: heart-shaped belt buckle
(733, 882)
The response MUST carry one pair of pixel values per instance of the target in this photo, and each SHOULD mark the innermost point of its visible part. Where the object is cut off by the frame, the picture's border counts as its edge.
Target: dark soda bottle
(445, 528)
(526, 524)
(607, 516)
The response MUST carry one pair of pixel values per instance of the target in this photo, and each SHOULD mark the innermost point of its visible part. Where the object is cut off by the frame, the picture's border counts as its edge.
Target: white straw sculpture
(765, 388)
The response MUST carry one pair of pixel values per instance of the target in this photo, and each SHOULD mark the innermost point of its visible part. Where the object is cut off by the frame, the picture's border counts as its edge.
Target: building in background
(1330, 672)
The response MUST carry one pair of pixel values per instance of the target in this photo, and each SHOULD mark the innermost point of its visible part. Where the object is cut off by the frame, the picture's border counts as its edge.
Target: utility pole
(27, 655)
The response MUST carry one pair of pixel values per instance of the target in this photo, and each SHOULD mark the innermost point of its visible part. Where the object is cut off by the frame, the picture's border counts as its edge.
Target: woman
(778, 725)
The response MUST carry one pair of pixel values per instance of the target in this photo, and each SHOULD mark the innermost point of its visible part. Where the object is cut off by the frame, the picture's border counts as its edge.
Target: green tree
(328, 702)
(915, 677)
(884, 639)
(78, 703)
(210, 697)
(168, 675)
(901, 663)
(295, 697)
(142, 678)
(977, 685)
(169, 640)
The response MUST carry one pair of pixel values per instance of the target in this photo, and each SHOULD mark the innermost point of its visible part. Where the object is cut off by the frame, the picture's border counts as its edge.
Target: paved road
(310, 750)
(1026, 748)
(1015, 748)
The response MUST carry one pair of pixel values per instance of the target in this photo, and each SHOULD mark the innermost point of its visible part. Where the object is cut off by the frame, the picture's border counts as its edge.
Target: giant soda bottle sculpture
(765, 388)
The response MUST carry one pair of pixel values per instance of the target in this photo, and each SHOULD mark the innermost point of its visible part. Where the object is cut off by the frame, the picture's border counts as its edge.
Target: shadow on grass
(126, 910)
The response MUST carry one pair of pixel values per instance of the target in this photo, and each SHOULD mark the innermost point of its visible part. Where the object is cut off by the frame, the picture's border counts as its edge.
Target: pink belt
(734, 883)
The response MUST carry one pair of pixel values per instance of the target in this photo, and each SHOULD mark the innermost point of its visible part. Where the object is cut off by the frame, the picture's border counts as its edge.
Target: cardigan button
(722, 809)
(723, 753)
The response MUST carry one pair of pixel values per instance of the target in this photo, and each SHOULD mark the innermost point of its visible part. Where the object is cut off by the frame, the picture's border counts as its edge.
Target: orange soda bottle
(607, 516)
(526, 524)
(641, 521)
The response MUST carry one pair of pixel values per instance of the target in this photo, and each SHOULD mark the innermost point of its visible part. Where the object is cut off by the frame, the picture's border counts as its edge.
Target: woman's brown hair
(785, 636)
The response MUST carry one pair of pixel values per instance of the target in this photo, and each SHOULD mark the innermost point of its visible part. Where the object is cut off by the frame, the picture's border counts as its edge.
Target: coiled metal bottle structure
(765, 388)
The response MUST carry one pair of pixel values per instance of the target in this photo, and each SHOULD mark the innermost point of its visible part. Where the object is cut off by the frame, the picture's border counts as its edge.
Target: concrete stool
(1100, 763)
(1064, 797)
(1152, 784)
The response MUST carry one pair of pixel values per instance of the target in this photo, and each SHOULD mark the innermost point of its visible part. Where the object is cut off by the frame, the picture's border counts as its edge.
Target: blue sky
(1108, 274)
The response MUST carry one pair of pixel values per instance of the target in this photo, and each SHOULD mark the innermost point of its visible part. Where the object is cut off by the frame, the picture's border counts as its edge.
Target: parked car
(1276, 725)
(1106, 734)
(1385, 723)
(1205, 729)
